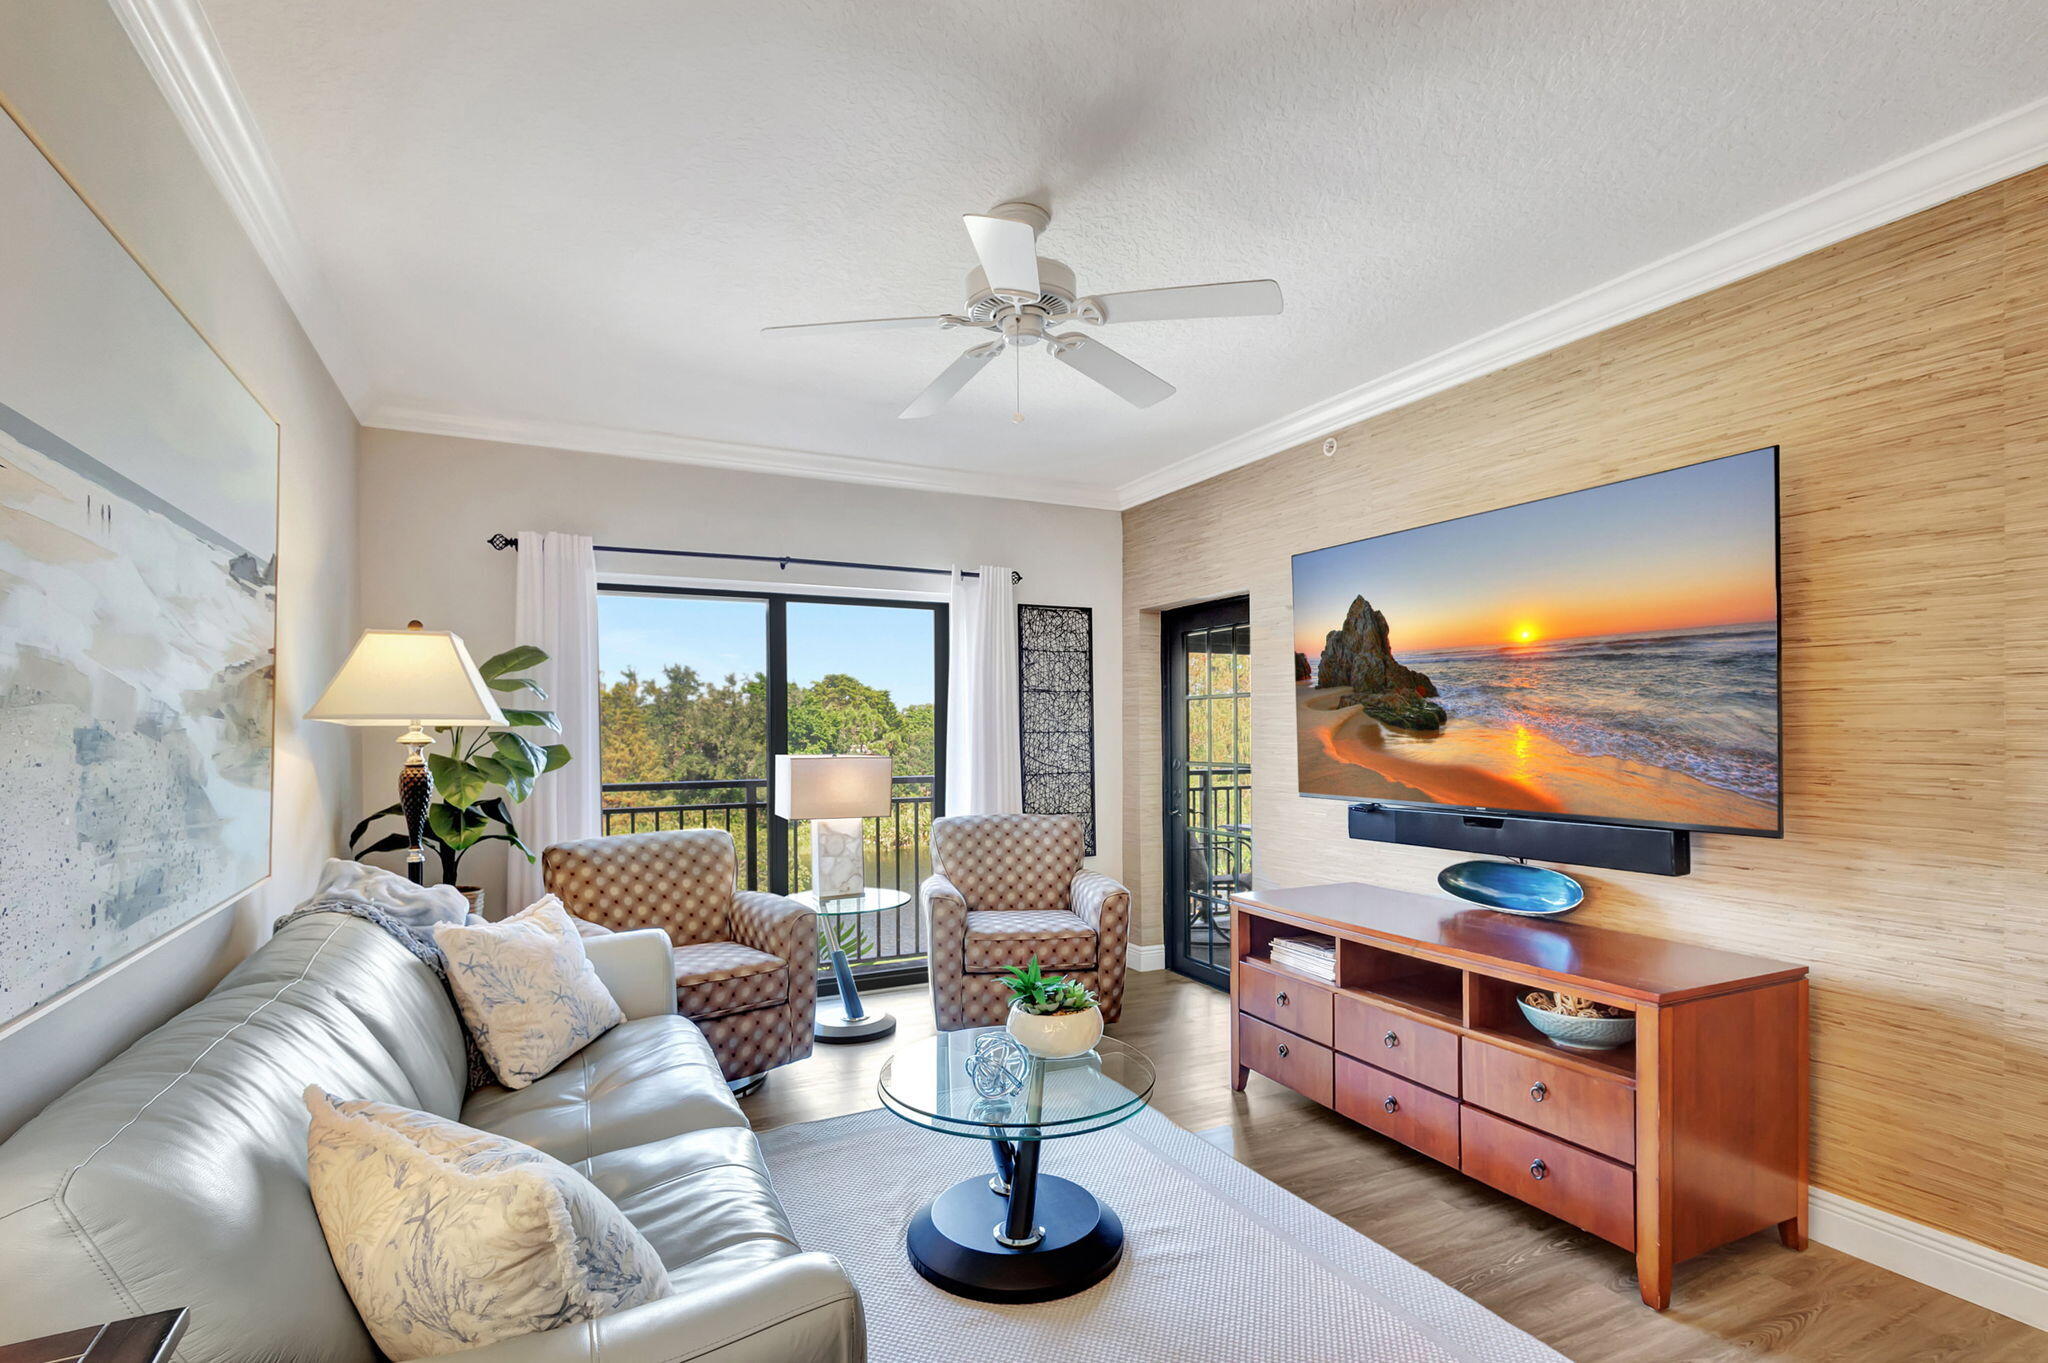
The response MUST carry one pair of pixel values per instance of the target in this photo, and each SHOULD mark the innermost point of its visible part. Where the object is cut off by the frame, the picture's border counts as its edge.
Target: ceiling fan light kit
(1015, 293)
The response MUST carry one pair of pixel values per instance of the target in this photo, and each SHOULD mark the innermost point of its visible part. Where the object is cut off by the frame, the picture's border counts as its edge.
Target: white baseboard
(1962, 1268)
(1145, 958)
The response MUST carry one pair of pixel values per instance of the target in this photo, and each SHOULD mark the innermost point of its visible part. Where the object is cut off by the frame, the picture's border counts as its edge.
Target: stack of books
(1315, 956)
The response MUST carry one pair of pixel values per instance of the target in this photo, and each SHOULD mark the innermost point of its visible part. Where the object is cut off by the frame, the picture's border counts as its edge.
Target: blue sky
(886, 647)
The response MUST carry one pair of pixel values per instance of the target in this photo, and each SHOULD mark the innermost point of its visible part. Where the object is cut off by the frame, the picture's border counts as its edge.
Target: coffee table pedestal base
(952, 1242)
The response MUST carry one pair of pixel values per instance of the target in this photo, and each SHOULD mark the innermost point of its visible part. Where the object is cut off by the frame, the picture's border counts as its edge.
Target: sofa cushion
(716, 978)
(449, 1238)
(645, 1080)
(526, 990)
(703, 1200)
(997, 940)
(175, 1175)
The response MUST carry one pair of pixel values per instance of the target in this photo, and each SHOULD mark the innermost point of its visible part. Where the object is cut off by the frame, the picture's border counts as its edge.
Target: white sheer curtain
(557, 613)
(984, 766)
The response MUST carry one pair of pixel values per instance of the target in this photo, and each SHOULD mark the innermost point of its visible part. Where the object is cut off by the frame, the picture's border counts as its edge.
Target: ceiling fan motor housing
(1055, 297)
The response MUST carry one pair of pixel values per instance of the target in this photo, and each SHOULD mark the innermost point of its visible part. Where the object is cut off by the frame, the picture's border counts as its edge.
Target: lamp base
(837, 865)
(415, 793)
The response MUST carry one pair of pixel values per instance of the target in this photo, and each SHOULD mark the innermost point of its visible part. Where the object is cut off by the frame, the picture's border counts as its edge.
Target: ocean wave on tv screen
(1703, 702)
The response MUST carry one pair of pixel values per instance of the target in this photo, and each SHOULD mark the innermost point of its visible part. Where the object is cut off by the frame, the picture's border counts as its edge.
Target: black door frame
(776, 641)
(1173, 625)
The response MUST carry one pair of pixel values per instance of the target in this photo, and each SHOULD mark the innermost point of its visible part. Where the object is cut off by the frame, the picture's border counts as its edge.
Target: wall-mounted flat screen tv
(1609, 655)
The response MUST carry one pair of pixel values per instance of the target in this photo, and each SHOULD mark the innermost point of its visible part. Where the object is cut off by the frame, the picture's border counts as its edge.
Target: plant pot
(1056, 1036)
(475, 895)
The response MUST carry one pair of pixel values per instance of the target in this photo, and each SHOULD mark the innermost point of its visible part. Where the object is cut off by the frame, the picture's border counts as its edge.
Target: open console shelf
(1690, 1137)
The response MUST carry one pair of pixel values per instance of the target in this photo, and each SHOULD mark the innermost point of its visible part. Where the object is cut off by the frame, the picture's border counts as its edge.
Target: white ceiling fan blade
(1245, 298)
(951, 381)
(870, 324)
(1126, 378)
(1008, 251)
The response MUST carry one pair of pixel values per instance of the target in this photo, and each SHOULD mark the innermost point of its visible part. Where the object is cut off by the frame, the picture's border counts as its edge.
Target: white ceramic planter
(1056, 1036)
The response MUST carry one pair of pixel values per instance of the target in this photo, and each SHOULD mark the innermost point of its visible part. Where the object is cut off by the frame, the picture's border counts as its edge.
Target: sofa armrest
(802, 1309)
(639, 967)
(775, 924)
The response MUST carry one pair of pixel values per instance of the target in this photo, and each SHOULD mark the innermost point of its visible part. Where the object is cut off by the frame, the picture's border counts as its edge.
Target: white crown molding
(177, 45)
(1948, 1263)
(1970, 160)
(725, 454)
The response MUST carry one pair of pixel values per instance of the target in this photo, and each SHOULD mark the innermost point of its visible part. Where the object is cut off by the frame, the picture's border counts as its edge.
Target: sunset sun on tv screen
(1609, 654)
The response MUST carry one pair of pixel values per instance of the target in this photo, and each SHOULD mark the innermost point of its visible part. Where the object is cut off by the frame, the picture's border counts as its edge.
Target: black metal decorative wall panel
(1056, 689)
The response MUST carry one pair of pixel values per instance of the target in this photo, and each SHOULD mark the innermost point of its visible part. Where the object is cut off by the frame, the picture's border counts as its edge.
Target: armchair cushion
(997, 940)
(680, 881)
(1010, 861)
(716, 978)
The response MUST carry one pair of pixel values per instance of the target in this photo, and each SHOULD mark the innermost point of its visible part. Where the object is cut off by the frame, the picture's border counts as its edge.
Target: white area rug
(1220, 1265)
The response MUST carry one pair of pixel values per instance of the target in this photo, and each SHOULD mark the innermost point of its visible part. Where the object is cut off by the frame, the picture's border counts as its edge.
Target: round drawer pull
(1283, 1048)
(1281, 998)
(1538, 1091)
(1391, 1105)
(1538, 1170)
(1391, 1040)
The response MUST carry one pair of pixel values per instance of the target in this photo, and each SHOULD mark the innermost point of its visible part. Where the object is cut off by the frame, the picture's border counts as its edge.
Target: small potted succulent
(1051, 1016)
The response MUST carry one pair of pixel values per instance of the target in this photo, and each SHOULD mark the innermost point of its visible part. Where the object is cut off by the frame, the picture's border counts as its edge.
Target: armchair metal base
(742, 1087)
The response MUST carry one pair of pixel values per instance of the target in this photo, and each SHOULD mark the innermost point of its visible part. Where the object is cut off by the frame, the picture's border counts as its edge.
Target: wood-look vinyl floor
(1753, 1300)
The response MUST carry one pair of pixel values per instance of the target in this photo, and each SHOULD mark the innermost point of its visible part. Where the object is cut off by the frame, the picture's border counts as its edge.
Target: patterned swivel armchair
(746, 962)
(1007, 887)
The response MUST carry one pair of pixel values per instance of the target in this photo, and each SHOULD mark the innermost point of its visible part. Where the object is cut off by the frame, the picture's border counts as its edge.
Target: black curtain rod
(779, 560)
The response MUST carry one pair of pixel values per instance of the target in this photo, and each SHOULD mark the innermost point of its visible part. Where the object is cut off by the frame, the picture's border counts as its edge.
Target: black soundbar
(1617, 847)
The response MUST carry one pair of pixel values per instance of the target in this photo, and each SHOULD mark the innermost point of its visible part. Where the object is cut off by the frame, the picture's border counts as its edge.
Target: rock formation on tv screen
(1360, 656)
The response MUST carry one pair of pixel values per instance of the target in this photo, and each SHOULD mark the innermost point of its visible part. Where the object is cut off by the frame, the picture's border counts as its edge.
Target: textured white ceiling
(581, 214)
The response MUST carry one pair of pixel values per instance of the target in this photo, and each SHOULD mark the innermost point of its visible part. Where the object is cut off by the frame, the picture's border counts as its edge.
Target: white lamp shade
(406, 676)
(835, 787)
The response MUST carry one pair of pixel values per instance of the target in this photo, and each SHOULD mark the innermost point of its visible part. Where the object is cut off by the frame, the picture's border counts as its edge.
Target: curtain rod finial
(502, 541)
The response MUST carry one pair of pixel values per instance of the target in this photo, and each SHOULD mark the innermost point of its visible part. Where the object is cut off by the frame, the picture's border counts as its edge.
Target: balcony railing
(898, 852)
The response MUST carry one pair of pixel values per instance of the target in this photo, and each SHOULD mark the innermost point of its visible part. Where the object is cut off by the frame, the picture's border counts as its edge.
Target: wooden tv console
(1690, 1138)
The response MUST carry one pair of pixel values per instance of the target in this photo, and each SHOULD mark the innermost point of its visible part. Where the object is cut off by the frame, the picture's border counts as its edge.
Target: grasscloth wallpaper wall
(1905, 375)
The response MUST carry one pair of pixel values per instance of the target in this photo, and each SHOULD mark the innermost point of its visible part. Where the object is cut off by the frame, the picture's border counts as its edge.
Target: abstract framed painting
(138, 599)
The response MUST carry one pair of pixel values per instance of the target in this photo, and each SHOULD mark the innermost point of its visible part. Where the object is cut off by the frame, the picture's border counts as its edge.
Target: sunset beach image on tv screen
(1606, 654)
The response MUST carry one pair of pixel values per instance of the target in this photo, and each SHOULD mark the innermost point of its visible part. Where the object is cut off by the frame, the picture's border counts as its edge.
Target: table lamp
(409, 678)
(835, 793)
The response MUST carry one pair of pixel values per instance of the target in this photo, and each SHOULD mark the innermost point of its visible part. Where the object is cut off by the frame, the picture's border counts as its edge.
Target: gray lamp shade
(832, 787)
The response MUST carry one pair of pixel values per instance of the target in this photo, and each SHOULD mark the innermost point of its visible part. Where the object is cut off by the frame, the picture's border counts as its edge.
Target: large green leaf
(356, 834)
(521, 754)
(516, 684)
(459, 828)
(522, 719)
(558, 755)
(456, 781)
(511, 660)
(390, 842)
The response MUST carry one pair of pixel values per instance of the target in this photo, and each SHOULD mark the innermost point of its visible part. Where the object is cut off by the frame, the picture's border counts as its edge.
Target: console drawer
(1588, 1190)
(1599, 1114)
(1413, 1115)
(1285, 1001)
(1400, 1045)
(1285, 1058)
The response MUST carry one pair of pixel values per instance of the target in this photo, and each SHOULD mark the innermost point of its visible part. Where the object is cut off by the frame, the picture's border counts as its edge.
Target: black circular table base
(952, 1243)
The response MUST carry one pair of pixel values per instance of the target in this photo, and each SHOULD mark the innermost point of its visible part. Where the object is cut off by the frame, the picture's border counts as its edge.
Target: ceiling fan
(1019, 295)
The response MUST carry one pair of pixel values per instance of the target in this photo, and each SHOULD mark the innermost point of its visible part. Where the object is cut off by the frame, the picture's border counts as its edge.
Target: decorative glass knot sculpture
(998, 1066)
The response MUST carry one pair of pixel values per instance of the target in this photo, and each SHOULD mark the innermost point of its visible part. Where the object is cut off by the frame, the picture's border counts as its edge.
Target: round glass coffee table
(1021, 1236)
(852, 1021)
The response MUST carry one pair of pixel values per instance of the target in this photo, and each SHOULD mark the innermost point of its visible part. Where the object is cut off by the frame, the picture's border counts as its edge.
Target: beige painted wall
(70, 72)
(430, 502)
(1905, 374)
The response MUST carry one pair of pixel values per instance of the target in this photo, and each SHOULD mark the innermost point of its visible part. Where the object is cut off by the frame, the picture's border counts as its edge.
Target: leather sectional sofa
(176, 1174)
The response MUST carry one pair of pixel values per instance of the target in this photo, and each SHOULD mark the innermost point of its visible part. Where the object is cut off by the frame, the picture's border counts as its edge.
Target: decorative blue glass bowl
(1513, 887)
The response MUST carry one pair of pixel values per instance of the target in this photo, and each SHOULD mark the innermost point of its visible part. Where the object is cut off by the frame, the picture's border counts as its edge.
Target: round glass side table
(849, 1021)
(1021, 1236)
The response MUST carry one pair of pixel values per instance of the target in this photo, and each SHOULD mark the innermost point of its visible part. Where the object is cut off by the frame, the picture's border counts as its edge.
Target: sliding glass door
(700, 690)
(1207, 724)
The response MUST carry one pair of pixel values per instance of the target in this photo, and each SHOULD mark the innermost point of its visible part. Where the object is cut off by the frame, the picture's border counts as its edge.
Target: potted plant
(481, 774)
(1051, 1016)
